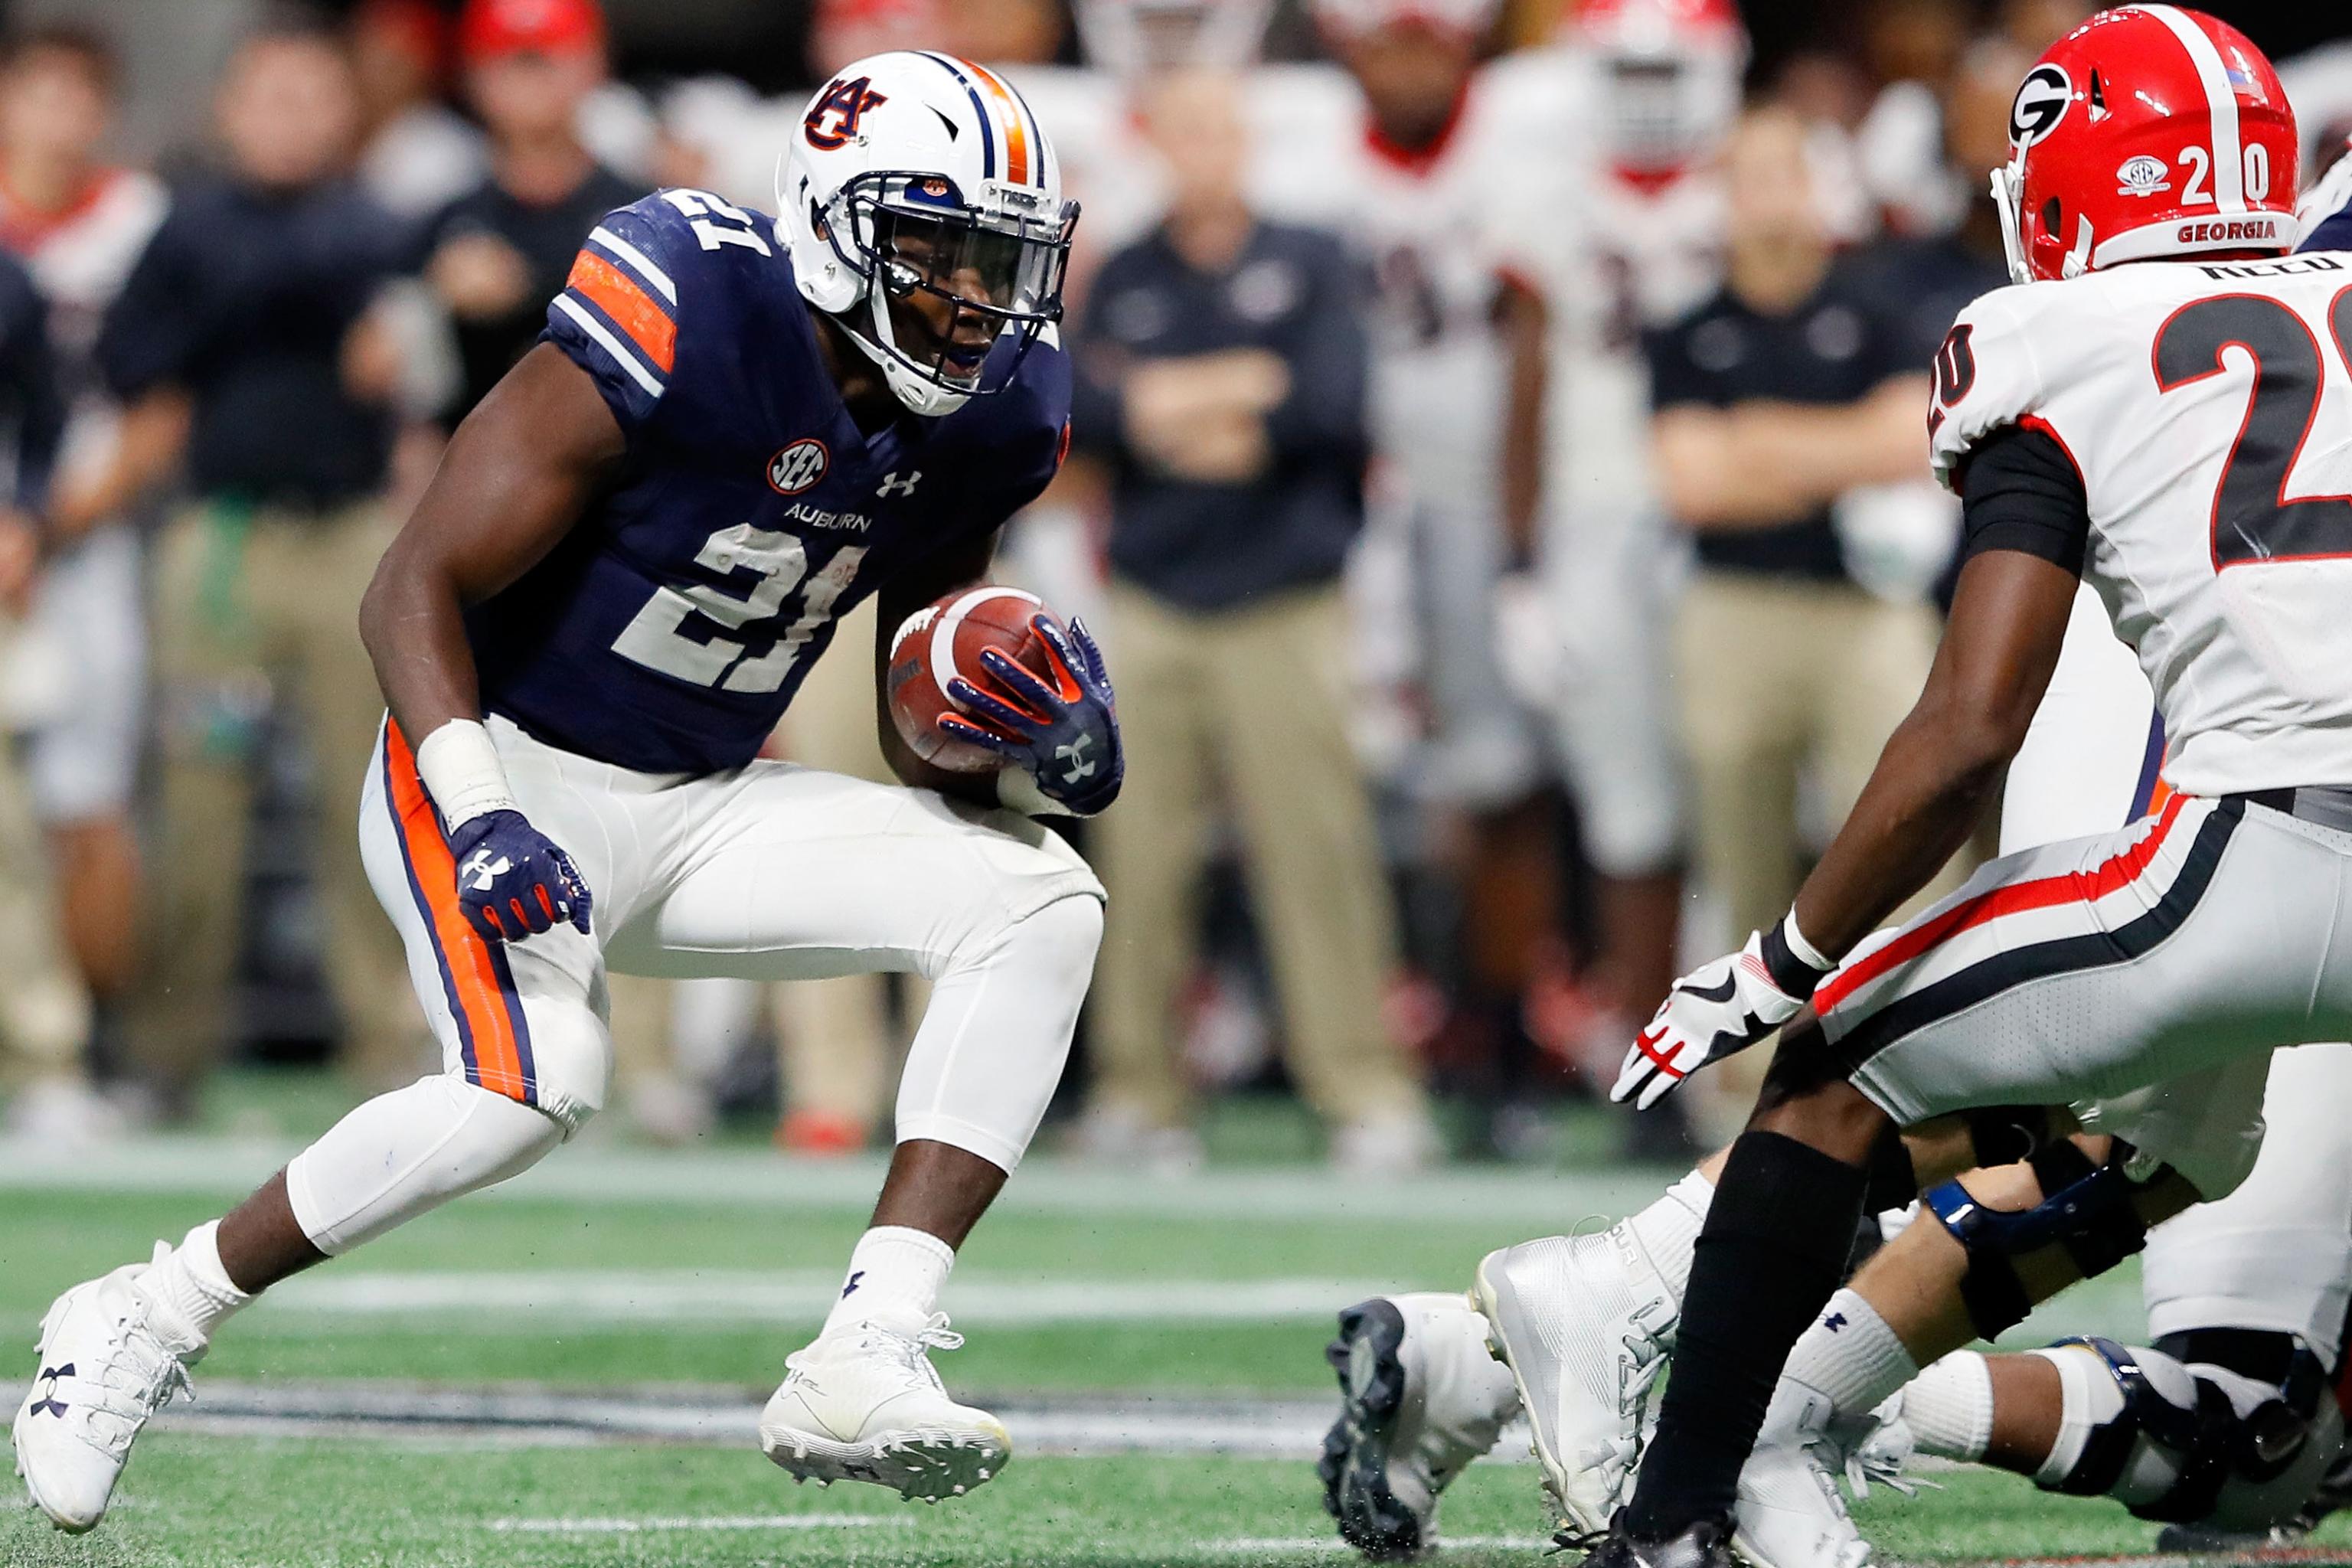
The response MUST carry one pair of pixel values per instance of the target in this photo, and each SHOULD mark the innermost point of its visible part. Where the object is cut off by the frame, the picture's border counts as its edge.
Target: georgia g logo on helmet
(2041, 104)
(832, 121)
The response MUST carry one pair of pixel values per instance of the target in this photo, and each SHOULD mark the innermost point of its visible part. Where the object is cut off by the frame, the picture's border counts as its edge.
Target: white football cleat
(1790, 1512)
(108, 1360)
(1584, 1324)
(864, 1404)
(1421, 1395)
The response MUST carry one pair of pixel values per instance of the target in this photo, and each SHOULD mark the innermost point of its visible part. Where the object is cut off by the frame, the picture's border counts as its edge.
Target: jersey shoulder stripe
(648, 325)
(636, 260)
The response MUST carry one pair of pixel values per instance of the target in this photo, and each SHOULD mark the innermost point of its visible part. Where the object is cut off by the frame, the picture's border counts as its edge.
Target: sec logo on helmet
(798, 466)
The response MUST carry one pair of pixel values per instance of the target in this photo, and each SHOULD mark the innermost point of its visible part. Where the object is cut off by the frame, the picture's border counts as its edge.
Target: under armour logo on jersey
(892, 485)
(854, 1276)
(1834, 1322)
(481, 871)
(1076, 763)
(50, 1403)
(833, 119)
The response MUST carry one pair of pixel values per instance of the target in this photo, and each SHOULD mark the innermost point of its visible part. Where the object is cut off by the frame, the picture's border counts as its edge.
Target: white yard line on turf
(494, 1301)
(1542, 1200)
(1289, 1543)
(746, 1522)
(1075, 1426)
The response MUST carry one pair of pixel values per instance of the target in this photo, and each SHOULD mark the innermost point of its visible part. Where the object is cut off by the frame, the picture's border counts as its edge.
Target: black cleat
(1355, 1462)
(1707, 1544)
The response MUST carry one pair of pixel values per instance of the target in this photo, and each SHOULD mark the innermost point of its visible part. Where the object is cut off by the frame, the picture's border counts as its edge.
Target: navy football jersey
(668, 630)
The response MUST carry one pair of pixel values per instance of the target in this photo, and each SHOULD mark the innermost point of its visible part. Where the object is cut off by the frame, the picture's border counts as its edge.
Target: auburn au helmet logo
(833, 119)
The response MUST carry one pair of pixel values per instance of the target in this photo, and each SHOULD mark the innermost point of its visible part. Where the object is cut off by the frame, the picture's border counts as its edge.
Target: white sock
(1949, 1407)
(2089, 1400)
(1668, 1229)
(1851, 1356)
(193, 1285)
(895, 1275)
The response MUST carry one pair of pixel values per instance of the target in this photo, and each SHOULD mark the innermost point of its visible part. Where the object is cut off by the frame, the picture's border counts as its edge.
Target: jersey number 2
(656, 636)
(2253, 519)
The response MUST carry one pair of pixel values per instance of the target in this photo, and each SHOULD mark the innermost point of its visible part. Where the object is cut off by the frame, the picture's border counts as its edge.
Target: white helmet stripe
(2220, 102)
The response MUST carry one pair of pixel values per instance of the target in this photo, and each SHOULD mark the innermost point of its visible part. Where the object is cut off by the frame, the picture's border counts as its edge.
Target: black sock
(1772, 1251)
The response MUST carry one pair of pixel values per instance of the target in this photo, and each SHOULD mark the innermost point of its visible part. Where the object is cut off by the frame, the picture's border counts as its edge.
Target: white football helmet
(1671, 77)
(1133, 38)
(916, 173)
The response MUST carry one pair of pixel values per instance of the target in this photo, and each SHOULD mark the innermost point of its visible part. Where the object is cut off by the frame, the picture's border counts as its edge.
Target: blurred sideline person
(1774, 399)
(417, 154)
(499, 252)
(1222, 379)
(80, 224)
(244, 341)
(1645, 246)
(44, 1010)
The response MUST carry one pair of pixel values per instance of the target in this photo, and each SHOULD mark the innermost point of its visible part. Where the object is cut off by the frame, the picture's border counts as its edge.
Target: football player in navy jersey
(734, 428)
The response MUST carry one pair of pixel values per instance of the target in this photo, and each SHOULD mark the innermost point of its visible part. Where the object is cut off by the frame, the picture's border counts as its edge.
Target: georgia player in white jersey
(1420, 163)
(78, 226)
(1643, 216)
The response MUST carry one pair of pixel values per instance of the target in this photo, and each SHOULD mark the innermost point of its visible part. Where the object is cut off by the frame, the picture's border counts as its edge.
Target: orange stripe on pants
(479, 993)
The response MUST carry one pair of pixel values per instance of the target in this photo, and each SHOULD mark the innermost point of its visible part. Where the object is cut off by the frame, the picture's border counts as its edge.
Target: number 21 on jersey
(777, 563)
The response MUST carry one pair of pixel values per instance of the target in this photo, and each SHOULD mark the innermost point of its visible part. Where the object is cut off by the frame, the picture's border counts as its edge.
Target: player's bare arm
(1940, 769)
(1526, 326)
(513, 481)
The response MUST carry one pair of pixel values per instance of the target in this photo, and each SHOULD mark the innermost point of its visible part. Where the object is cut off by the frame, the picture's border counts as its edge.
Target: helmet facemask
(945, 283)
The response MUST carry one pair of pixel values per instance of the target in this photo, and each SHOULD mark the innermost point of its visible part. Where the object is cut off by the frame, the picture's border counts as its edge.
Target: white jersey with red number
(1638, 255)
(1441, 229)
(2206, 405)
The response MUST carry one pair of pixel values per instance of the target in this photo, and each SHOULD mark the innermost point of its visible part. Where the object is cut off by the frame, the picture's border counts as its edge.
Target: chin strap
(919, 393)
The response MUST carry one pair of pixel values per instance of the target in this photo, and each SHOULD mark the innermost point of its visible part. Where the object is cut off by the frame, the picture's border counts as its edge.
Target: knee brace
(2193, 1444)
(2086, 1208)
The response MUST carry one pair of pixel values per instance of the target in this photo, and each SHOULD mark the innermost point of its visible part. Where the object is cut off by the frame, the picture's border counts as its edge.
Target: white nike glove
(1720, 1009)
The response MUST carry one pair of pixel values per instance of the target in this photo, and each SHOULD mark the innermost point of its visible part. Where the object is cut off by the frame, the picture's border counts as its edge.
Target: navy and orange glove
(512, 879)
(1061, 729)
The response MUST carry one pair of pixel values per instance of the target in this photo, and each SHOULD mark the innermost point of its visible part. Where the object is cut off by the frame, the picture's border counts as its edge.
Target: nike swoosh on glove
(512, 879)
(1713, 1012)
(1065, 733)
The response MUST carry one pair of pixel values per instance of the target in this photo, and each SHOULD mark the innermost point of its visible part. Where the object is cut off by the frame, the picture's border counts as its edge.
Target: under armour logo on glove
(481, 873)
(512, 880)
(1065, 733)
(1715, 1011)
(49, 1404)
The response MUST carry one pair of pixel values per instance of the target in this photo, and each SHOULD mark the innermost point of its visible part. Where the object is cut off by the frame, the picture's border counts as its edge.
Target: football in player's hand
(943, 640)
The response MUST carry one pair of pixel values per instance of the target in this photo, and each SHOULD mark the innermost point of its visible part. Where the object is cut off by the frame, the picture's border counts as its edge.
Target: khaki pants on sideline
(44, 1007)
(1776, 679)
(248, 602)
(1253, 700)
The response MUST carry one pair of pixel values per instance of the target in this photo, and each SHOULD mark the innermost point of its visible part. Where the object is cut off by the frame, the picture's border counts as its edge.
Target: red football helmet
(1671, 73)
(2149, 131)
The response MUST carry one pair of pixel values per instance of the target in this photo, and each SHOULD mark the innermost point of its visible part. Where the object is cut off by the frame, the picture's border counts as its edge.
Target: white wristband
(1804, 951)
(460, 767)
(1017, 789)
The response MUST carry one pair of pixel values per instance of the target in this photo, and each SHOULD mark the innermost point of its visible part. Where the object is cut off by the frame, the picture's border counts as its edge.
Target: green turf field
(448, 1395)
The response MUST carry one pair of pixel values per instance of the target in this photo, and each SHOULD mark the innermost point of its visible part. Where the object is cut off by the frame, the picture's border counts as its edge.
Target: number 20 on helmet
(2148, 132)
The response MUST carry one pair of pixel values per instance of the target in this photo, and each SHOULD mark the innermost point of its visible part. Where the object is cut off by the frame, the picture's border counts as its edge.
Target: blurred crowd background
(1498, 480)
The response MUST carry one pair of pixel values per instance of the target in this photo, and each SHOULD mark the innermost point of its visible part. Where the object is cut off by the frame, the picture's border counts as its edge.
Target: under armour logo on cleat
(51, 1404)
(854, 1278)
(1834, 1322)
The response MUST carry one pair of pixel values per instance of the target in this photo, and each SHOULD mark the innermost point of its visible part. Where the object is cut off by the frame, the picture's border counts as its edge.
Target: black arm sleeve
(2022, 492)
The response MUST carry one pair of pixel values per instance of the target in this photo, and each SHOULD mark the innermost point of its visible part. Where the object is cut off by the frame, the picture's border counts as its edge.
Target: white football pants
(771, 872)
(2276, 1253)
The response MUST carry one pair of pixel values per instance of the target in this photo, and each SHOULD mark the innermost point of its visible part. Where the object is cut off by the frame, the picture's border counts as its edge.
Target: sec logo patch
(798, 466)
